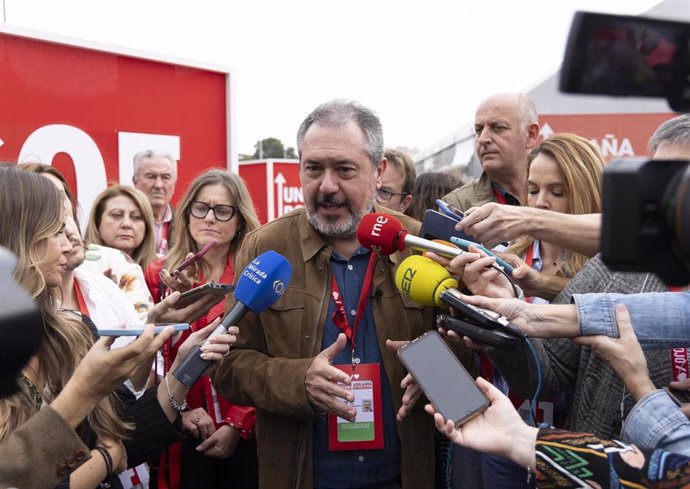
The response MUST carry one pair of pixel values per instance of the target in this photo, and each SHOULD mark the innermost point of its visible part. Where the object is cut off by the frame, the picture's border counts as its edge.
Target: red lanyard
(80, 299)
(499, 196)
(339, 316)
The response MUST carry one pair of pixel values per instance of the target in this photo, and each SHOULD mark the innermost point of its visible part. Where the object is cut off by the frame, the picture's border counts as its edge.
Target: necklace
(35, 395)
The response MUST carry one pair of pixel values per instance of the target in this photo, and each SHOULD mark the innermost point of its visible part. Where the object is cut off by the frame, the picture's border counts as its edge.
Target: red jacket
(202, 393)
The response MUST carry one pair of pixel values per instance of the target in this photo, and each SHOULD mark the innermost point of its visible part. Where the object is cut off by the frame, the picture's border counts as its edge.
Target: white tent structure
(605, 120)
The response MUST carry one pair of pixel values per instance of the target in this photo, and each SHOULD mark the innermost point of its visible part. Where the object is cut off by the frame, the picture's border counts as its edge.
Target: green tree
(272, 148)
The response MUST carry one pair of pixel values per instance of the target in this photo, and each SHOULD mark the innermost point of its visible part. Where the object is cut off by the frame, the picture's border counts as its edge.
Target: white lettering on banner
(680, 363)
(289, 198)
(609, 146)
(47, 141)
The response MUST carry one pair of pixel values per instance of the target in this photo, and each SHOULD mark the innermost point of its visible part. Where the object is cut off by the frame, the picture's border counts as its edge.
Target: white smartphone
(139, 331)
(446, 383)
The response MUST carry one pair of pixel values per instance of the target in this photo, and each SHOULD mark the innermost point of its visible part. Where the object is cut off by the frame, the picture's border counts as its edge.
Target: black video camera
(21, 326)
(628, 56)
(646, 218)
(645, 204)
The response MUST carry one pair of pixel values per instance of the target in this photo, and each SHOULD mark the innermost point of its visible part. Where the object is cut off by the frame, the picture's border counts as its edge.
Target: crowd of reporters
(117, 416)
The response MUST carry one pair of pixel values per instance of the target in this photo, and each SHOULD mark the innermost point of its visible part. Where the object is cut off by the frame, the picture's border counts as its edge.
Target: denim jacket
(661, 321)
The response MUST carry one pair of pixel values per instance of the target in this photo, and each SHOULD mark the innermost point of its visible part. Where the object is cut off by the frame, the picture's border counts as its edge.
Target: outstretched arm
(494, 223)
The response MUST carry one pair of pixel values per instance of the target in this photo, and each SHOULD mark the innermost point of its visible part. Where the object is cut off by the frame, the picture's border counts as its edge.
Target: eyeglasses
(222, 212)
(385, 195)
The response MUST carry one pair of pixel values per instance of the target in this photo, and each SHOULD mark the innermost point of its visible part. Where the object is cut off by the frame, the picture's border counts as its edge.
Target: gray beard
(334, 229)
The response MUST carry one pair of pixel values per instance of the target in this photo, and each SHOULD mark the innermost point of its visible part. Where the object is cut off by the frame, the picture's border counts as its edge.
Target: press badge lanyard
(339, 316)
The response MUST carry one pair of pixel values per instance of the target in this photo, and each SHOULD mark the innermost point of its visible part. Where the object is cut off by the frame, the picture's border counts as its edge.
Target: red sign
(617, 135)
(274, 185)
(88, 109)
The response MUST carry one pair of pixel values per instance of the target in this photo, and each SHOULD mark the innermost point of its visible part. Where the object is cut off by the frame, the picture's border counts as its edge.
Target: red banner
(88, 110)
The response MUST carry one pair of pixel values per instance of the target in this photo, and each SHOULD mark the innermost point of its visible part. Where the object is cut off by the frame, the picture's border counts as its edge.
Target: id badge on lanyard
(366, 431)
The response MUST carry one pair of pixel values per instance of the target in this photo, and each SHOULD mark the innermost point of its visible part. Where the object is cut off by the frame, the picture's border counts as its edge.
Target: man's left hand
(411, 390)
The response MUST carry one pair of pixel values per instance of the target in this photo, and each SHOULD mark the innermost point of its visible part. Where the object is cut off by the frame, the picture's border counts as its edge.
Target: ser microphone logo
(406, 284)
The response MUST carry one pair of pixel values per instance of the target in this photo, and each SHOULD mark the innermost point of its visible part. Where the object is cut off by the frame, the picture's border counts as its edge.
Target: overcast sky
(422, 65)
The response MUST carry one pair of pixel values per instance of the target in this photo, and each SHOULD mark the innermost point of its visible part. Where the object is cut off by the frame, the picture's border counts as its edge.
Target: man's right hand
(321, 382)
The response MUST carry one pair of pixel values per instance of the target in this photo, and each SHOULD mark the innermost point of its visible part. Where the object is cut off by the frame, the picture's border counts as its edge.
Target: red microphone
(384, 234)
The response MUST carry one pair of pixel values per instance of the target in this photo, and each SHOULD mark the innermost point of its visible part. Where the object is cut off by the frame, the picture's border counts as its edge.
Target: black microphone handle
(193, 367)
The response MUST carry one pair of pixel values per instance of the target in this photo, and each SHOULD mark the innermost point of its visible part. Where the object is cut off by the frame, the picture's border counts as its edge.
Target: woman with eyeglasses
(217, 206)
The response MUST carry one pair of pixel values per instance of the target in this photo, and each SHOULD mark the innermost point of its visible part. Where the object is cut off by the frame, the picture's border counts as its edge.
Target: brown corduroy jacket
(266, 368)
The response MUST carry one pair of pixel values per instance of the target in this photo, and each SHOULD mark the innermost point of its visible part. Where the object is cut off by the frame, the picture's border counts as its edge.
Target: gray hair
(676, 130)
(337, 113)
(152, 153)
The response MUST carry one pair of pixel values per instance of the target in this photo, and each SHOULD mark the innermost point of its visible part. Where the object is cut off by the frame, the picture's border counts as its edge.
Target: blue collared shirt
(356, 468)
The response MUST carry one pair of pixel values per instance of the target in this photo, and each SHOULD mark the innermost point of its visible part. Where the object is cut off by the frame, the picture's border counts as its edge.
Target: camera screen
(623, 55)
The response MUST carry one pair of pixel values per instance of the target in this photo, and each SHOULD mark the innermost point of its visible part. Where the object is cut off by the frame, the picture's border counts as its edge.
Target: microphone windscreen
(263, 281)
(381, 233)
(423, 280)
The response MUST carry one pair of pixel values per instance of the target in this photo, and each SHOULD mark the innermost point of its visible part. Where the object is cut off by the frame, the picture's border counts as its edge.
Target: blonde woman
(121, 217)
(32, 219)
(565, 174)
(217, 206)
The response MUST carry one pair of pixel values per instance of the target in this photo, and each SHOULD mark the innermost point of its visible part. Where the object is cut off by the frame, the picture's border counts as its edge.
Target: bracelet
(173, 403)
(530, 475)
(108, 464)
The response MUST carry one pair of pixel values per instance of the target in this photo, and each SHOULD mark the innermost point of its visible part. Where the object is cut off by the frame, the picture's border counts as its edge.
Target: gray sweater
(598, 394)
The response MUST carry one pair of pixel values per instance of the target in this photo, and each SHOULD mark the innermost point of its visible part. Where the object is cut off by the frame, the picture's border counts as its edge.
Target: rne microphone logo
(378, 225)
(408, 276)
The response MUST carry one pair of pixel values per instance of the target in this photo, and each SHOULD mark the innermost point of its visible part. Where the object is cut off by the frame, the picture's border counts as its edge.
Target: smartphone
(437, 225)
(193, 259)
(492, 337)
(449, 210)
(478, 316)
(464, 244)
(192, 295)
(139, 331)
(446, 383)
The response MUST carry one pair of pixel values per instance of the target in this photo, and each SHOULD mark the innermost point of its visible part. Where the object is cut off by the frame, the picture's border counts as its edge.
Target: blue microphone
(464, 244)
(261, 284)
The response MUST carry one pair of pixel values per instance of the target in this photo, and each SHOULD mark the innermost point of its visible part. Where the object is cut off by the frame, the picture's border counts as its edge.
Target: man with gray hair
(155, 174)
(292, 362)
(506, 128)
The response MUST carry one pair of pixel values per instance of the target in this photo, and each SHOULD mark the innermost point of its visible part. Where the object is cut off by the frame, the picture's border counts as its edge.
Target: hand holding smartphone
(193, 259)
(445, 382)
(210, 288)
